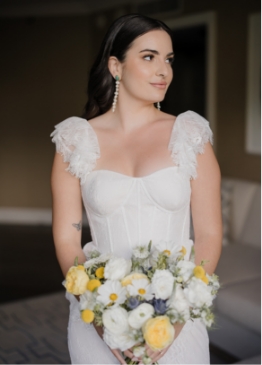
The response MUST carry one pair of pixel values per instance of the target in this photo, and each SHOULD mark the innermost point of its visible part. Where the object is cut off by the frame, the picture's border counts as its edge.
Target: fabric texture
(124, 211)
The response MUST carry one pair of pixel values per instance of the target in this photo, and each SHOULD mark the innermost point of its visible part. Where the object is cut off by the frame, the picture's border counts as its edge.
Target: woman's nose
(162, 69)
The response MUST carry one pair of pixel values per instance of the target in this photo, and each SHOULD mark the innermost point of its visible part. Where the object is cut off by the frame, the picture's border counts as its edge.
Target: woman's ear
(115, 67)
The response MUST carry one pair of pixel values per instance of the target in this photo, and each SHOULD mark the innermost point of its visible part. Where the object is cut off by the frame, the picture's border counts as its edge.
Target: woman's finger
(129, 354)
(119, 356)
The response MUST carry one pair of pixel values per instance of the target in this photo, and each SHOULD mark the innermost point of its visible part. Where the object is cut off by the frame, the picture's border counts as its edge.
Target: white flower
(111, 292)
(207, 318)
(123, 342)
(179, 303)
(198, 293)
(185, 269)
(139, 351)
(141, 252)
(138, 316)
(87, 300)
(116, 320)
(140, 287)
(117, 268)
(162, 284)
(97, 260)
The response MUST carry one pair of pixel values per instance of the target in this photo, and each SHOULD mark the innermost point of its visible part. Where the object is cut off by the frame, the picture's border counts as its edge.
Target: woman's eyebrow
(156, 52)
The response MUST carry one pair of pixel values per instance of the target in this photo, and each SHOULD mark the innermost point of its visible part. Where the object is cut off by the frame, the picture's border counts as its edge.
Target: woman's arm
(67, 211)
(206, 210)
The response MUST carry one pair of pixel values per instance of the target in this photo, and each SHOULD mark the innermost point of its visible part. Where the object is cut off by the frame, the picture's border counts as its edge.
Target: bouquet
(137, 301)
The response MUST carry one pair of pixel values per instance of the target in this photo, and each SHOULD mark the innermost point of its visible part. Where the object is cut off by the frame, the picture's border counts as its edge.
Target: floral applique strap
(77, 142)
(190, 134)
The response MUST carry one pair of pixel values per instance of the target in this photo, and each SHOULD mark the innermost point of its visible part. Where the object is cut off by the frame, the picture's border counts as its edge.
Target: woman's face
(147, 69)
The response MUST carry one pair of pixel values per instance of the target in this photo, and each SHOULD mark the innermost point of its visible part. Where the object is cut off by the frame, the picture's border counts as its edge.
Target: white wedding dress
(124, 211)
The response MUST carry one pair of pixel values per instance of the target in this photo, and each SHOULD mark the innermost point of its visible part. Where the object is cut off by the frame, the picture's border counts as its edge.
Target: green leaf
(76, 261)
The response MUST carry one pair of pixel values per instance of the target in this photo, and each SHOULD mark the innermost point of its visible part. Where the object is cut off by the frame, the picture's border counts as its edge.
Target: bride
(138, 171)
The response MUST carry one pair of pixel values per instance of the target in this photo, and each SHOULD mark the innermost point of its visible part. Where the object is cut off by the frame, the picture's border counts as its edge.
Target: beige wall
(43, 73)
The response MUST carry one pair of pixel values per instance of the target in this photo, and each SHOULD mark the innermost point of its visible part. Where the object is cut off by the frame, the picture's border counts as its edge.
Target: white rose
(162, 284)
(117, 268)
(138, 316)
(123, 341)
(87, 300)
(116, 320)
(185, 269)
(198, 293)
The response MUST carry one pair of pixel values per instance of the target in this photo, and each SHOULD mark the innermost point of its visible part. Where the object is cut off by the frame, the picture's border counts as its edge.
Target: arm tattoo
(78, 226)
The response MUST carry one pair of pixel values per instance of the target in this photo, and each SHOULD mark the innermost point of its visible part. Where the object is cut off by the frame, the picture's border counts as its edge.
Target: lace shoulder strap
(190, 134)
(77, 142)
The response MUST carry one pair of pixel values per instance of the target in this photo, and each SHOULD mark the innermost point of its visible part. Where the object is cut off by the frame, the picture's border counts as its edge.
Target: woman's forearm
(66, 254)
(209, 249)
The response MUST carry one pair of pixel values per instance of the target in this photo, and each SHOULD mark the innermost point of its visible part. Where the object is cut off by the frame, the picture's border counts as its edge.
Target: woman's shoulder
(77, 142)
(190, 134)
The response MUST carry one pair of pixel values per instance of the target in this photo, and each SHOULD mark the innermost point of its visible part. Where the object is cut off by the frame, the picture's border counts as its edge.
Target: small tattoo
(78, 226)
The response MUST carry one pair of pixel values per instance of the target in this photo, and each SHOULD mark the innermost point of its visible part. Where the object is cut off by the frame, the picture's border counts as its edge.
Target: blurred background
(47, 49)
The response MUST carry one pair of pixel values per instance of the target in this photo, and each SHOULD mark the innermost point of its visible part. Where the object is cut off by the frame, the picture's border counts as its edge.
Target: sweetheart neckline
(134, 177)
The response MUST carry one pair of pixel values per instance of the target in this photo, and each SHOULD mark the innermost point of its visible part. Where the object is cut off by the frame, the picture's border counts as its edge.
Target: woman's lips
(159, 86)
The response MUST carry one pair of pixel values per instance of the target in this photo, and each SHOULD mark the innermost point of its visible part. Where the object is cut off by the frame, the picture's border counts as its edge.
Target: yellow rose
(133, 276)
(93, 284)
(87, 315)
(158, 332)
(76, 280)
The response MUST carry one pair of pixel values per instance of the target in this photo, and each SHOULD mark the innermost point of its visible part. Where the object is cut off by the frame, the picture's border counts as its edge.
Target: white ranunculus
(162, 284)
(185, 269)
(117, 268)
(178, 304)
(116, 320)
(123, 342)
(198, 293)
(178, 300)
(87, 300)
(138, 316)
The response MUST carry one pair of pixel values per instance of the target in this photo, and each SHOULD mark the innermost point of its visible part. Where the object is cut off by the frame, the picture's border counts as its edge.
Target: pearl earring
(116, 92)
(158, 105)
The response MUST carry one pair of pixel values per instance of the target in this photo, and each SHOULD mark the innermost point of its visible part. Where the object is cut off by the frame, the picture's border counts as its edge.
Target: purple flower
(133, 302)
(160, 306)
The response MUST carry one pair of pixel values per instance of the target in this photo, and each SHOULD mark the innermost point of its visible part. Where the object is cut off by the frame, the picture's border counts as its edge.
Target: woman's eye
(171, 60)
(149, 56)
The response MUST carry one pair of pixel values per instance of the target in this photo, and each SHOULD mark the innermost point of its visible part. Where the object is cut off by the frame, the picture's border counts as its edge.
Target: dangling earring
(116, 92)
(158, 105)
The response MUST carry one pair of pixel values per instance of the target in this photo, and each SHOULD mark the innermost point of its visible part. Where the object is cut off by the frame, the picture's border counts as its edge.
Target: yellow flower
(133, 276)
(167, 252)
(93, 284)
(205, 279)
(76, 280)
(100, 272)
(80, 267)
(183, 250)
(87, 315)
(199, 272)
(158, 332)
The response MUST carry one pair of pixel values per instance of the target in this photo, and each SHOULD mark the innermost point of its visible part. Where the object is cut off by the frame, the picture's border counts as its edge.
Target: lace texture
(190, 134)
(77, 142)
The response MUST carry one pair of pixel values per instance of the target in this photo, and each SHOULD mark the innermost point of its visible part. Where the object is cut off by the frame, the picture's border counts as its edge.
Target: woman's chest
(105, 192)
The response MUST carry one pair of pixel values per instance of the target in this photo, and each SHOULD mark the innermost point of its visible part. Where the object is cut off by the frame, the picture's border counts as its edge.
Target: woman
(138, 170)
